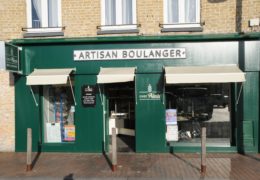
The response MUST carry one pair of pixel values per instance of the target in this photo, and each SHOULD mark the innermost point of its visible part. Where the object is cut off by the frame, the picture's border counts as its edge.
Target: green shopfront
(157, 91)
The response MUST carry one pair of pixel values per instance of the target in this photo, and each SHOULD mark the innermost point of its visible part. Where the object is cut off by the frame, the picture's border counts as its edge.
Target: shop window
(191, 106)
(43, 16)
(182, 15)
(118, 15)
(58, 114)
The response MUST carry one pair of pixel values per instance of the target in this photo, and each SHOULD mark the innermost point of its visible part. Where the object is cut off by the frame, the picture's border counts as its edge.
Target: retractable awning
(116, 75)
(203, 74)
(48, 76)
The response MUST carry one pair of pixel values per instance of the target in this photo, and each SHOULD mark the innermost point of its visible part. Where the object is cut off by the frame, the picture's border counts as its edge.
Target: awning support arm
(34, 97)
(100, 95)
(239, 94)
(72, 91)
(163, 95)
(135, 91)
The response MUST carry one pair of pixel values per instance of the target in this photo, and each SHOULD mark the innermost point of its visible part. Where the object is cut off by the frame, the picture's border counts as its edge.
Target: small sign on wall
(88, 95)
(12, 58)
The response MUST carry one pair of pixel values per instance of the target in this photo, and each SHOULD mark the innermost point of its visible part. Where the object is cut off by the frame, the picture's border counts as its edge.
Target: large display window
(191, 106)
(58, 114)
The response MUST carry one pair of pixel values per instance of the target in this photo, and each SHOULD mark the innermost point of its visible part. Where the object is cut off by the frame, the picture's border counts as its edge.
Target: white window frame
(119, 25)
(182, 23)
(44, 9)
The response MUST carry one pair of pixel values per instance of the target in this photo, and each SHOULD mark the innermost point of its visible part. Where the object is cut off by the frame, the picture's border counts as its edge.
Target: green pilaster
(150, 115)
(27, 115)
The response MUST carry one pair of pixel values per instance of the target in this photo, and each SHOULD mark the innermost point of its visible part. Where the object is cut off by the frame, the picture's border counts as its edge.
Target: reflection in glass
(198, 104)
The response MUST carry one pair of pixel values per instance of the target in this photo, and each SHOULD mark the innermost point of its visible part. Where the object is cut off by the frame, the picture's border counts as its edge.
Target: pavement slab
(131, 166)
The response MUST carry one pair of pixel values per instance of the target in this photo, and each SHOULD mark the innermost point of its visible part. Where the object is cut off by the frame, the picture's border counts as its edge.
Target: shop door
(121, 114)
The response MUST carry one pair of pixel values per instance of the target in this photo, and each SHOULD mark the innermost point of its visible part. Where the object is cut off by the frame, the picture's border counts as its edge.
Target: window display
(197, 104)
(58, 114)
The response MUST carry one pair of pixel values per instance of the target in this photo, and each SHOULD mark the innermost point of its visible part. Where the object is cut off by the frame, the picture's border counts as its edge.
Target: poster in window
(88, 95)
(53, 132)
(171, 116)
(172, 133)
(69, 133)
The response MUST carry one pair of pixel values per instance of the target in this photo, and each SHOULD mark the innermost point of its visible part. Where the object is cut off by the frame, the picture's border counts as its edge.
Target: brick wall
(12, 19)
(7, 130)
(81, 17)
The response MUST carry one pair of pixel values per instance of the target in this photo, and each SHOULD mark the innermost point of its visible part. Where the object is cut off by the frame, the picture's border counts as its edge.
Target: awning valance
(116, 75)
(203, 74)
(48, 76)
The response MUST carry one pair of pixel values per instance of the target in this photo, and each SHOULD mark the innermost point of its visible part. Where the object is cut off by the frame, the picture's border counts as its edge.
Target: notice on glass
(172, 133)
(171, 116)
(53, 132)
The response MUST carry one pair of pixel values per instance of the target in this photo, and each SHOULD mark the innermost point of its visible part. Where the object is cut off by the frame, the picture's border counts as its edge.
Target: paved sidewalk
(131, 166)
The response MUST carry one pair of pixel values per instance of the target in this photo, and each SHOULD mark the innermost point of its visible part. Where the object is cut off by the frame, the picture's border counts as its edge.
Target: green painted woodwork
(91, 123)
(248, 131)
(196, 37)
(61, 56)
(27, 115)
(88, 121)
(251, 110)
(150, 115)
(252, 56)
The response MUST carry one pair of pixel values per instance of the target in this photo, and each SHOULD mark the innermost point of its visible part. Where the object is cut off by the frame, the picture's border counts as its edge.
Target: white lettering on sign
(122, 54)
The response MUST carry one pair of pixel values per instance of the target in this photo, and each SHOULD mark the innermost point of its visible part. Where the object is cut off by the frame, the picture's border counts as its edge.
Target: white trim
(102, 12)
(29, 13)
(59, 13)
(2, 55)
(182, 25)
(42, 30)
(134, 12)
(118, 16)
(181, 8)
(44, 13)
(119, 11)
(44, 10)
(198, 11)
(120, 27)
(181, 14)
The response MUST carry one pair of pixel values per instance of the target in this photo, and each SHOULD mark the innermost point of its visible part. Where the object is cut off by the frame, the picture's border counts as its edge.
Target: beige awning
(116, 75)
(203, 74)
(48, 76)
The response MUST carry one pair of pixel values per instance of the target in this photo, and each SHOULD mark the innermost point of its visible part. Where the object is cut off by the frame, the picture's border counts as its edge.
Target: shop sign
(12, 58)
(149, 94)
(130, 54)
(88, 95)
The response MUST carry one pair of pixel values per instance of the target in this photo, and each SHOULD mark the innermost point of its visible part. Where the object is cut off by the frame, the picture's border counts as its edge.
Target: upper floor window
(181, 13)
(44, 14)
(118, 14)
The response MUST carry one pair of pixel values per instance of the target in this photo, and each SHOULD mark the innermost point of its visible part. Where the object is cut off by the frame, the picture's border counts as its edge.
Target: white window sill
(43, 32)
(196, 27)
(118, 29)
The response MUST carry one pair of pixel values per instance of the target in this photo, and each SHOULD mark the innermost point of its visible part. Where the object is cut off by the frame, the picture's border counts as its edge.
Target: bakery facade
(156, 90)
